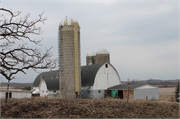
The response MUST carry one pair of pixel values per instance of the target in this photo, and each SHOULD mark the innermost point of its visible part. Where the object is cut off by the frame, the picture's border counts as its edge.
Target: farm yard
(74, 76)
(91, 108)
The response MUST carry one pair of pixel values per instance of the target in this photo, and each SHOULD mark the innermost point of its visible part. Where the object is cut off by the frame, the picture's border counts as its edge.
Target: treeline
(17, 85)
(164, 83)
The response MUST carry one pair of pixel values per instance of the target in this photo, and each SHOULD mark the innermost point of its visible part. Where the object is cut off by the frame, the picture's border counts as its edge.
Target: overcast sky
(141, 37)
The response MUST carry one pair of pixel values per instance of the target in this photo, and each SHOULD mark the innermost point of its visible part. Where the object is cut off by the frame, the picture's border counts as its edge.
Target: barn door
(120, 94)
(10, 94)
(6, 94)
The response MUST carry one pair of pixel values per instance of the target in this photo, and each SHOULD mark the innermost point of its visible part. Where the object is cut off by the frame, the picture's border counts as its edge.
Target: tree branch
(15, 59)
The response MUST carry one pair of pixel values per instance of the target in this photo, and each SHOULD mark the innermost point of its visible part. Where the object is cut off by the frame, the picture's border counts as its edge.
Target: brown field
(163, 92)
(88, 108)
(37, 107)
(167, 94)
(5, 87)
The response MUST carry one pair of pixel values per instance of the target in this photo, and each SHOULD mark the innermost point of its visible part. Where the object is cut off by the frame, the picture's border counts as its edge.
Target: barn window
(46, 91)
(88, 91)
(99, 91)
(54, 91)
(106, 65)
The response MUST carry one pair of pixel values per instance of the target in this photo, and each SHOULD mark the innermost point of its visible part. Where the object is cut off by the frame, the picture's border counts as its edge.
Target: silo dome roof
(91, 53)
(68, 21)
(102, 51)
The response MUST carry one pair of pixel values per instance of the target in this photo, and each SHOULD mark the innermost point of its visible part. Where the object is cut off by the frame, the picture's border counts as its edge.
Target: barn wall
(106, 77)
(35, 88)
(131, 94)
(17, 94)
(141, 94)
(54, 92)
(83, 88)
(107, 93)
(98, 94)
(95, 94)
(2, 94)
(21, 94)
(43, 88)
(88, 94)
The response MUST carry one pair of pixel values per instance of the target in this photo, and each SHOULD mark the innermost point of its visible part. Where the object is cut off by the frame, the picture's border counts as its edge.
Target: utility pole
(128, 92)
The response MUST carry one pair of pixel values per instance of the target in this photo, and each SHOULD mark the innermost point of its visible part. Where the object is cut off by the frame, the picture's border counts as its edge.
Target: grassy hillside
(87, 108)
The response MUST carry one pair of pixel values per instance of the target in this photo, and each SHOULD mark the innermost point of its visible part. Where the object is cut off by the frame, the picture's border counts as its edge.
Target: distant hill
(149, 81)
(154, 82)
(16, 85)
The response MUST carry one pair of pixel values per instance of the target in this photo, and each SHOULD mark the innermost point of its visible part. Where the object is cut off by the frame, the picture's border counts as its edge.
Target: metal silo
(69, 58)
(90, 58)
(102, 55)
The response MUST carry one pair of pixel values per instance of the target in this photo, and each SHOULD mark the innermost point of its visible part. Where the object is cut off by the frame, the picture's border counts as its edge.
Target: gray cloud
(141, 37)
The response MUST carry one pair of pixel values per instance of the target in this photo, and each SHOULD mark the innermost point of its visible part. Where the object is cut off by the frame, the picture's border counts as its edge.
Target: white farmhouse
(14, 93)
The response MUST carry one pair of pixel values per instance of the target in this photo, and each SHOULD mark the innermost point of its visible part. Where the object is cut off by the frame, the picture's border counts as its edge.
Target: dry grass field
(163, 92)
(88, 108)
(38, 107)
(5, 87)
(167, 94)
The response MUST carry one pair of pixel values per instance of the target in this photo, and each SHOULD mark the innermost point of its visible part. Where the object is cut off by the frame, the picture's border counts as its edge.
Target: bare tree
(149, 81)
(18, 51)
(177, 92)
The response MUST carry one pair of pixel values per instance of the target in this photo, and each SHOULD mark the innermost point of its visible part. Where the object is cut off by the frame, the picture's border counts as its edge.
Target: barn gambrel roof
(88, 74)
(51, 78)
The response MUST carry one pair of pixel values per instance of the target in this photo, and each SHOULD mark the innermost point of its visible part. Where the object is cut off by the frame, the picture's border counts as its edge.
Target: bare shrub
(172, 99)
(88, 108)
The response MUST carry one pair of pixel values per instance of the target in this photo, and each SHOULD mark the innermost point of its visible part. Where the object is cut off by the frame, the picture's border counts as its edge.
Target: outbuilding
(47, 84)
(136, 91)
(14, 93)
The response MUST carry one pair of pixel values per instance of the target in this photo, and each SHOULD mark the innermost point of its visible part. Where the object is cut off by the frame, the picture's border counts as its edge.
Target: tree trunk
(177, 93)
(7, 91)
(128, 92)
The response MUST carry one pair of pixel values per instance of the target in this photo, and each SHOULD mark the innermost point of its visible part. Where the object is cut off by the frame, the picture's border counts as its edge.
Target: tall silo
(69, 58)
(102, 55)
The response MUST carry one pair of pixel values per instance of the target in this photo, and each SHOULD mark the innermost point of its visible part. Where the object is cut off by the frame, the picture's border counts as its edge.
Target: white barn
(46, 84)
(98, 78)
